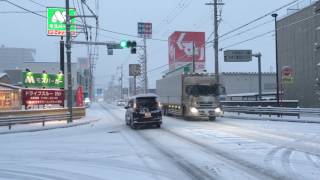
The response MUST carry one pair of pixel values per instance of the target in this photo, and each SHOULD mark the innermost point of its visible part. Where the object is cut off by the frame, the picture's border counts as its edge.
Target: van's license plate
(147, 115)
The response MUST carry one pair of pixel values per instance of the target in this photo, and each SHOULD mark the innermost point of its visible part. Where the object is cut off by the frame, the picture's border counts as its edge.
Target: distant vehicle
(143, 109)
(121, 103)
(191, 95)
(87, 102)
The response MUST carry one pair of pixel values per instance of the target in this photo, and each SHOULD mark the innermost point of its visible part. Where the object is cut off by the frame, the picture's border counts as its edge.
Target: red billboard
(181, 49)
(42, 97)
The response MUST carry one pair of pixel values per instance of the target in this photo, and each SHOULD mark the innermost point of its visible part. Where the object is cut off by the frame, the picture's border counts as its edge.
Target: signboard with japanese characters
(145, 30)
(42, 97)
(287, 75)
(184, 47)
(43, 80)
(134, 69)
(237, 55)
(56, 21)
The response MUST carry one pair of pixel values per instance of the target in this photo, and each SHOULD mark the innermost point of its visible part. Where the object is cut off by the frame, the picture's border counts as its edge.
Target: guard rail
(280, 111)
(40, 116)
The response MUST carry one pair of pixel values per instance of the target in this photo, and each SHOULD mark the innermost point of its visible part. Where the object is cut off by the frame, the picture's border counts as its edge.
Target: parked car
(143, 110)
(121, 103)
(87, 102)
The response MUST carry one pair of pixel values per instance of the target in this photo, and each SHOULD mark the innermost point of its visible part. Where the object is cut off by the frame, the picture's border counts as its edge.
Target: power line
(38, 3)
(247, 30)
(19, 12)
(157, 68)
(259, 18)
(18, 6)
(170, 17)
(250, 39)
(279, 28)
(129, 35)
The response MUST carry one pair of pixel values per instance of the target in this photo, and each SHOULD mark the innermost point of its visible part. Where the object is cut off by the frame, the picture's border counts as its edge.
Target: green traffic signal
(123, 44)
(129, 44)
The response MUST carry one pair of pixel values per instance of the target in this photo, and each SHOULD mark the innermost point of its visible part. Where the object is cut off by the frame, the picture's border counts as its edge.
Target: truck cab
(201, 96)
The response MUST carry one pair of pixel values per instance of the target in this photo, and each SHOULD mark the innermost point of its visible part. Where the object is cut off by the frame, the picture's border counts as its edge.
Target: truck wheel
(127, 123)
(166, 111)
(212, 118)
(158, 125)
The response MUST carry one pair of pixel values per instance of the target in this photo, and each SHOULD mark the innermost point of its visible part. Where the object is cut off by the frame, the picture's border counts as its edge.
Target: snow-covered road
(108, 149)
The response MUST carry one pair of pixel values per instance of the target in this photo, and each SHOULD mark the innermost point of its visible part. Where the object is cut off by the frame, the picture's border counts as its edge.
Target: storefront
(10, 97)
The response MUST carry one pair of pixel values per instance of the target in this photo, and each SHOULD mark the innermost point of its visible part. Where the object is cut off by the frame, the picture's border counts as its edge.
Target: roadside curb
(75, 124)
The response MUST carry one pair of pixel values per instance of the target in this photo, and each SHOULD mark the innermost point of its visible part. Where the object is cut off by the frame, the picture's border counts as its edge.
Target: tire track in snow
(46, 173)
(314, 162)
(154, 173)
(301, 145)
(192, 170)
(270, 157)
(188, 168)
(286, 164)
(241, 164)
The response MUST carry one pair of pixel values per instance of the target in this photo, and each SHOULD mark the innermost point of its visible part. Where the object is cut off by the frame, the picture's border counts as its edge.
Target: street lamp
(277, 59)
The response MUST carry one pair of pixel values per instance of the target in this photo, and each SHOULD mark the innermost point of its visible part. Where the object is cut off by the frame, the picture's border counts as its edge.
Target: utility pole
(68, 47)
(193, 60)
(135, 85)
(62, 55)
(216, 43)
(258, 55)
(216, 37)
(121, 81)
(277, 57)
(145, 66)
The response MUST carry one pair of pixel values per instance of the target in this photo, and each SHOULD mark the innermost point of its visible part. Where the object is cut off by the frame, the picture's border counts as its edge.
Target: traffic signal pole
(62, 55)
(68, 47)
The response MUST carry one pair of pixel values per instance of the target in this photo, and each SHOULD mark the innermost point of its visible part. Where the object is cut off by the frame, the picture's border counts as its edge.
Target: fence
(280, 111)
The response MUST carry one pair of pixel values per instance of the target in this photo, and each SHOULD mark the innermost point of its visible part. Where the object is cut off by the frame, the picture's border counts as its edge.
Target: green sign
(287, 79)
(56, 21)
(43, 80)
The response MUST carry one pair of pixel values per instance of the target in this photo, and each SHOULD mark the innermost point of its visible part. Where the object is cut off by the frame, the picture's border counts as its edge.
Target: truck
(190, 95)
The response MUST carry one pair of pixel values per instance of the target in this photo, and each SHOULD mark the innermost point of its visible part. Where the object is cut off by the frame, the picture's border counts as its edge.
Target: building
(243, 82)
(299, 50)
(15, 76)
(10, 97)
(13, 58)
(4, 78)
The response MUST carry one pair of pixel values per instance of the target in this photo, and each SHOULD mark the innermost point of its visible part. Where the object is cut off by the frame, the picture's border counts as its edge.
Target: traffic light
(129, 44)
(123, 44)
(133, 47)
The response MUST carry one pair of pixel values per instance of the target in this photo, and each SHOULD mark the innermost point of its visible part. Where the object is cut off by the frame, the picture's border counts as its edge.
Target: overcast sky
(167, 16)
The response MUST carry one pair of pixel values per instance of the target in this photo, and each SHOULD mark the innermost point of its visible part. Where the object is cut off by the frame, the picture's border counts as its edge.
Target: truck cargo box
(169, 89)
